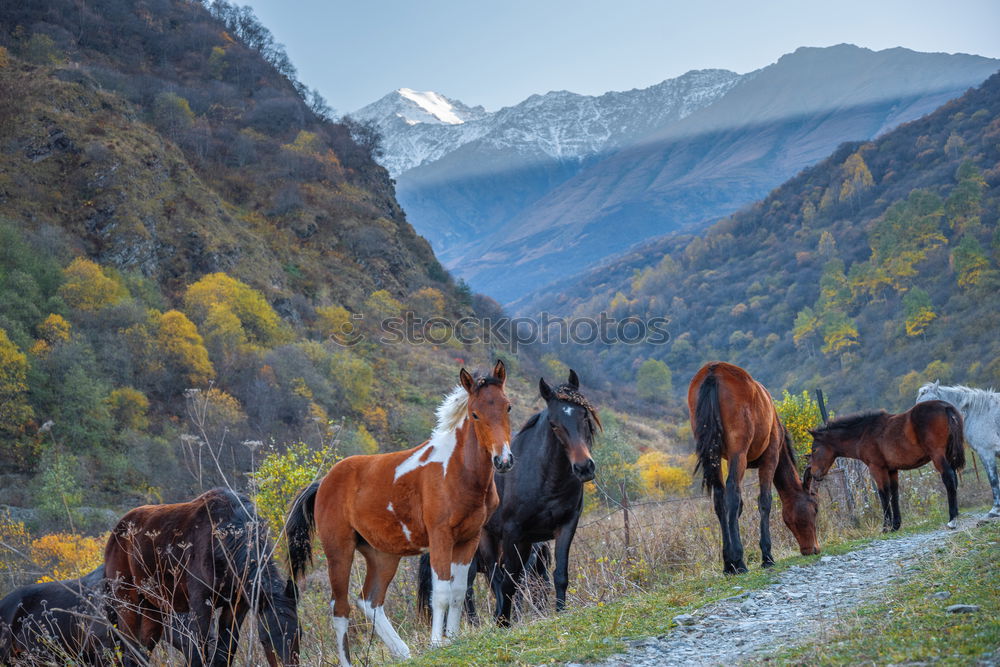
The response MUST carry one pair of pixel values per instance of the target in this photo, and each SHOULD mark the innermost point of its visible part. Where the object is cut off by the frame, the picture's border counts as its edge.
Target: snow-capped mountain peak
(415, 107)
(437, 106)
(422, 127)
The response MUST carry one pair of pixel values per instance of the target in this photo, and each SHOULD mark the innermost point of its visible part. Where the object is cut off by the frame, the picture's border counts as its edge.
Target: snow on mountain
(422, 127)
(439, 107)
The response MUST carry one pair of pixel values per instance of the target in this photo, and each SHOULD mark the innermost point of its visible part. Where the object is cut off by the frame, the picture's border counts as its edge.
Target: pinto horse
(164, 562)
(929, 431)
(733, 418)
(540, 500)
(435, 496)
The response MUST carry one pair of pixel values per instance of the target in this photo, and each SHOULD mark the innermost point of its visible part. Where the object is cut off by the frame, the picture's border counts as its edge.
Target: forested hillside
(182, 229)
(865, 275)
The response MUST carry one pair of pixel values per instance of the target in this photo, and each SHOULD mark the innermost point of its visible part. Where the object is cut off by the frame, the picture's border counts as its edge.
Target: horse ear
(544, 389)
(573, 381)
(937, 383)
(500, 371)
(466, 379)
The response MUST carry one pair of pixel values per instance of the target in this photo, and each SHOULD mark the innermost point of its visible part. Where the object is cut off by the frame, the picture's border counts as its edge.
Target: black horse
(55, 622)
(540, 499)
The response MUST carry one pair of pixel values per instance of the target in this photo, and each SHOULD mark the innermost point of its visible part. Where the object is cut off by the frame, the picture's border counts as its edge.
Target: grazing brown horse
(733, 418)
(929, 431)
(436, 496)
(172, 566)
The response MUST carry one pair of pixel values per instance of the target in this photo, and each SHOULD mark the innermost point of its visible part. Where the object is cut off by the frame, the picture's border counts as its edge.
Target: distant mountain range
(514, 199)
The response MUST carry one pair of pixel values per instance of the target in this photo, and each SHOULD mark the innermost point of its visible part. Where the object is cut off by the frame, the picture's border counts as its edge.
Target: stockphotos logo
(509, 333)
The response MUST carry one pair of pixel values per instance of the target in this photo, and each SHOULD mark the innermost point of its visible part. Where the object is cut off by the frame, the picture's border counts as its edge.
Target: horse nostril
(585, 470)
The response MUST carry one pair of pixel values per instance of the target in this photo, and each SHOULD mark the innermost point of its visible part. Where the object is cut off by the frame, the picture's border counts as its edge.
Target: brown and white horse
(733, 418)
(435, 497)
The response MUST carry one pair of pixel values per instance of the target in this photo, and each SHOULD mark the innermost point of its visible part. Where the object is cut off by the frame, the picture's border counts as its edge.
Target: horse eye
(475, 416)
(508, 408)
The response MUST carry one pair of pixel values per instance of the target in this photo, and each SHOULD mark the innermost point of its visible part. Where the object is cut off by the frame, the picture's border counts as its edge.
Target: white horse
(981, 410)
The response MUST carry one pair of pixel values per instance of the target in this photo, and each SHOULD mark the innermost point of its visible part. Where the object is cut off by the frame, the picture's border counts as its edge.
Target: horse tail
(299, 530)
(709, 432)
(955, 452)
(424, 584)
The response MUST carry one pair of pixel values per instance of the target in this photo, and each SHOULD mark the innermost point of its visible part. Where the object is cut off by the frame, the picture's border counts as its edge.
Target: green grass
(907, 625)
(599, 631)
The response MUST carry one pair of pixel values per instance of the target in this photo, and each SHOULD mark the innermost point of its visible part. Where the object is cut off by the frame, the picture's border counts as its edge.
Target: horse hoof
(994, 513)
(952, 524)
(767, 563)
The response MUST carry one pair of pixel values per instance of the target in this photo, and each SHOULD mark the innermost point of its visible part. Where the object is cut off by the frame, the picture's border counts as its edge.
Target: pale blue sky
(497, 53)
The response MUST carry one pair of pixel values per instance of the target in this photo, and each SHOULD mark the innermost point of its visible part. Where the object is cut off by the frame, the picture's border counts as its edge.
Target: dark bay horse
(55, 622)
(435, 497)
(540, 500)
(213, 553)
(733, 418)
(886, 443)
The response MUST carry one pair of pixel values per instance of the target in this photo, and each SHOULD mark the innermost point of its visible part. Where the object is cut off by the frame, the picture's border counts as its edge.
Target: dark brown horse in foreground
(171, 566)
(929, 431)
(434, 497)
(733, 418)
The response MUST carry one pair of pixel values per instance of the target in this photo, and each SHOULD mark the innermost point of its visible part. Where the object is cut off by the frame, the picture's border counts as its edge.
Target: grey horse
(981, 410)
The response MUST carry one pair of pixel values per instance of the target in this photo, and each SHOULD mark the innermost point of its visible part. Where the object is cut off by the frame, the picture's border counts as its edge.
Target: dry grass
(666, 539)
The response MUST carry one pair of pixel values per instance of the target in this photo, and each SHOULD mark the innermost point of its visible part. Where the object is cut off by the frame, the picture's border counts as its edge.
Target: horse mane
(451, 412)
(852, 426)
(532, 420)
(241, 539)
(971, 400)
(570, 394)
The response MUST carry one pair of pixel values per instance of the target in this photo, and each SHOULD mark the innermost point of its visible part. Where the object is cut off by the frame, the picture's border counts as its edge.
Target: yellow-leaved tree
(67, 555)
(283, 473)
(182, 349)
(86, 286)
(659, 478)
(211, 297)
(799, 413)
(15, 411)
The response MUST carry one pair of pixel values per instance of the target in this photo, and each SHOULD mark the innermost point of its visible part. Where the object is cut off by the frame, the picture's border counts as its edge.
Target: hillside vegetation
(182, 230)
(865, 275)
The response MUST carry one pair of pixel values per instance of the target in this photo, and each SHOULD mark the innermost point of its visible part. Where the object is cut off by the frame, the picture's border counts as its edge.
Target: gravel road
(805, 598)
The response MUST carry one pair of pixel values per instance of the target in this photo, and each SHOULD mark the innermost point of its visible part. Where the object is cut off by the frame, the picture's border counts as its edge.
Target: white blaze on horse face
(406, 531)
(384, 628)
(389, 507)
(340, 624)
(568, 410)
(505, 453)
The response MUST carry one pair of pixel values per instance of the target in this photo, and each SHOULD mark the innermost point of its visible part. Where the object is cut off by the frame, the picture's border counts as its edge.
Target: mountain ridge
(489, 205)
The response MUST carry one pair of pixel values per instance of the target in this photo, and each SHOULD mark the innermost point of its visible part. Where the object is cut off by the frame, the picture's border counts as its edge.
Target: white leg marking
(459, 583)
(440, 596)
(384, 628)
(340, 624)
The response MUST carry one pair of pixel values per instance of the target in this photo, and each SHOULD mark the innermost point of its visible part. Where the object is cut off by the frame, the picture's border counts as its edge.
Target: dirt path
(804, 599)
